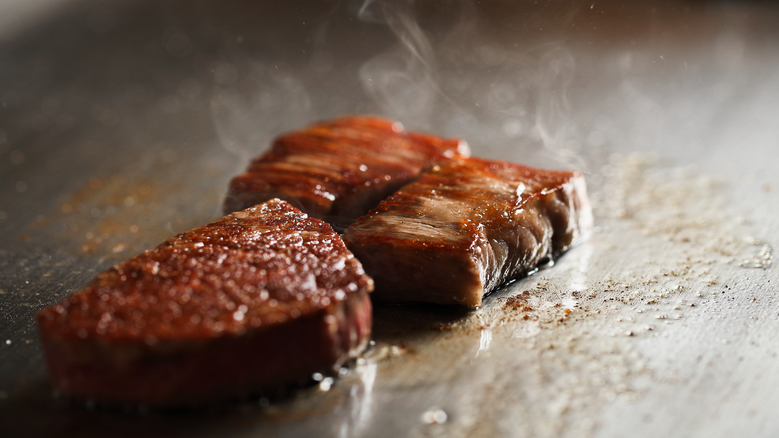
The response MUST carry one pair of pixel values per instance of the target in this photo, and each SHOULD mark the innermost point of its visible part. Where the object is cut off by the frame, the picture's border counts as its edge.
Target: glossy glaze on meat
(338, 170)
(248, 304)
(466, 226)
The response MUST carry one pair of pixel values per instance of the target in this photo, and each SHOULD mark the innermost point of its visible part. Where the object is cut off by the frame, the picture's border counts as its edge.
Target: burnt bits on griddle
(466, 226)
(338, 170)
(249, 304)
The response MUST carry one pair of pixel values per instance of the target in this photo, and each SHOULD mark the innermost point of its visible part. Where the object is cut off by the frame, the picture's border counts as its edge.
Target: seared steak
(466, 226)
(338, 170)
(251, 303)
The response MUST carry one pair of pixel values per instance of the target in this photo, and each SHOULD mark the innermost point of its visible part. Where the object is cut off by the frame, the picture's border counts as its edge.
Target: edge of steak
(249, 304)
(466, 226)
(338, 170)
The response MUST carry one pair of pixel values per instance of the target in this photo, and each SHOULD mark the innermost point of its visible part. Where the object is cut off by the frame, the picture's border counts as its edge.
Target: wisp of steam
(449, 79)
(437, 83)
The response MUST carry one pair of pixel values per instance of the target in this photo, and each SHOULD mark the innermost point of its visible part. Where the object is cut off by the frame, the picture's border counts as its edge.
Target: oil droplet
(326, 384)
(436, 416)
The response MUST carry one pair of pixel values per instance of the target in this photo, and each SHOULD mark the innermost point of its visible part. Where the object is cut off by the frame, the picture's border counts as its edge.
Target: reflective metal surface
(121, 123)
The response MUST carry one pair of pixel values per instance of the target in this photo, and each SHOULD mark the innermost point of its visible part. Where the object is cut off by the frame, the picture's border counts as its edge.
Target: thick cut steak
(466, 226)
(251, 303)
(338, 170)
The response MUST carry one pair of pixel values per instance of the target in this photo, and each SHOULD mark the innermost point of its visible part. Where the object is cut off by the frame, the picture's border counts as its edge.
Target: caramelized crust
(218, 311)
(338, 170)
(465, 226)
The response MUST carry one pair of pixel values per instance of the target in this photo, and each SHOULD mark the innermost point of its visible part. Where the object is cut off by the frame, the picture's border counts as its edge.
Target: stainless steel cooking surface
(121, 123)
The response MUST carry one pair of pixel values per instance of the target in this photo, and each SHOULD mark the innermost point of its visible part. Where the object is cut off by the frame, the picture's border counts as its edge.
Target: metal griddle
(121, 123)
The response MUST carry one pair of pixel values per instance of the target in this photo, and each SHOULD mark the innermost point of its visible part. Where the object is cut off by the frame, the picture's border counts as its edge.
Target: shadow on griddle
(296, 408)
(405, 321)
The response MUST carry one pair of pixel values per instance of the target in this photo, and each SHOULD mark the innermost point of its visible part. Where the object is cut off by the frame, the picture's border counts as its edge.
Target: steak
(249, 304)
(338, 170)
(467, 226)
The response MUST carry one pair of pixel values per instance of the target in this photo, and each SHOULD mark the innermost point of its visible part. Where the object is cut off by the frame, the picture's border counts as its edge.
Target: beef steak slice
(466, 226)
(249, 304)
(338, 170)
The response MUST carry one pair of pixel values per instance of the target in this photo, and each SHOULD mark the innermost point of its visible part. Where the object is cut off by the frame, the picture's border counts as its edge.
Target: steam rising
(449, 78)
(402, 81)
(555, 73)
(248, 113)
(466, 86)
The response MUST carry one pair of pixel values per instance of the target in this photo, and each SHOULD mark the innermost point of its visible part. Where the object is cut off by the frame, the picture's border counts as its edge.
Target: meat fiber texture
(338, 170)
(249, 304)
(467, 226)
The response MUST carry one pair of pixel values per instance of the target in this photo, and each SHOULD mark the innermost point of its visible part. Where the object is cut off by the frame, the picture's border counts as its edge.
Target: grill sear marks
(338, 170)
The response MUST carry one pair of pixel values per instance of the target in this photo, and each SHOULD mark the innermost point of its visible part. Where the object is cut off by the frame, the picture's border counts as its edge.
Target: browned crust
(226, 367)
(338, 170)
(466, 226)
(216, 311)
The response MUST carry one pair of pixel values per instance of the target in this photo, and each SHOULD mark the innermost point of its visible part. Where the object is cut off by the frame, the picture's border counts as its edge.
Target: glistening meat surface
(465, 227)
(251, 303)
(338, 170)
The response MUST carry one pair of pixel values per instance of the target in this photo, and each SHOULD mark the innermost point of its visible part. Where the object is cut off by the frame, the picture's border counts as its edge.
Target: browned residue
(113, 191)
(109, 214)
